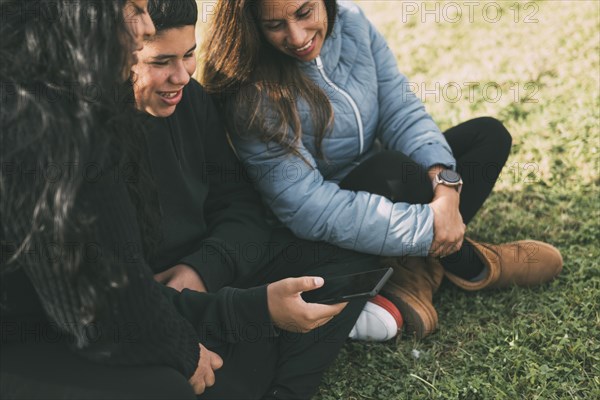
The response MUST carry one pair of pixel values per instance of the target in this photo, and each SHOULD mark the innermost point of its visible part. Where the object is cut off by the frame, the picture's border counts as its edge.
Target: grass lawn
(535, 66)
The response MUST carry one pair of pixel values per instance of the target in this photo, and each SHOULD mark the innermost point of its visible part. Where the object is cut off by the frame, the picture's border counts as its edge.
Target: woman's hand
(205, 373)
(180, 277)
(448, 227)
(290, 312)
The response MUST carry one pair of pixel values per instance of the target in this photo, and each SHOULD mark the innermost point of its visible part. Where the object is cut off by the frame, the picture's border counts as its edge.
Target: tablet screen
(346, 287)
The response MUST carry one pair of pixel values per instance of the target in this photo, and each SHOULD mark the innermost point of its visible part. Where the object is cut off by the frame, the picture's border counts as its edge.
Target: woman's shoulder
(348, 6)
(352, 28)
(350, 41)
(350, 13)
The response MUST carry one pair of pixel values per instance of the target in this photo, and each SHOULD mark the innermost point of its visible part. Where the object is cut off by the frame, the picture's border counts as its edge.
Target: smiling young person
(160, 80)
(227, 268)
(311, 86)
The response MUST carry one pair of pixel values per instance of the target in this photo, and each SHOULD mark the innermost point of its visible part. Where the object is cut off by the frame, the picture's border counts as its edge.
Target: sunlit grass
(537, 343)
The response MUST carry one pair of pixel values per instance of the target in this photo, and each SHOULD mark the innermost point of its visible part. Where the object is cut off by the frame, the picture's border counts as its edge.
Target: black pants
(480, 146)
(289, 366)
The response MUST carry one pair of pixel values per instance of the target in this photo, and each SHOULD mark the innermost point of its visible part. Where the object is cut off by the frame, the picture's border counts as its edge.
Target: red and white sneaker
(379, 321)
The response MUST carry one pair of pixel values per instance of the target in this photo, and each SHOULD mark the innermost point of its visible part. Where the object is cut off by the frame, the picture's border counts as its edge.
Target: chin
(160, 111)
(166, 112)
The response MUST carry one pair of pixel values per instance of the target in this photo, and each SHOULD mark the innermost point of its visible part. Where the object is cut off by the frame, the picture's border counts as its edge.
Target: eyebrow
(136, 3)
(298, 9)
(169, 56)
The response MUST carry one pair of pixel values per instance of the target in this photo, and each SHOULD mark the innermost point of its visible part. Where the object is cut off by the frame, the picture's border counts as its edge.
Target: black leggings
(289, 366)
(480, 146)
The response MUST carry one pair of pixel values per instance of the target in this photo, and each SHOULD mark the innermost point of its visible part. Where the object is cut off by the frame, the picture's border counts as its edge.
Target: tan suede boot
(411, 289)
(522, 263)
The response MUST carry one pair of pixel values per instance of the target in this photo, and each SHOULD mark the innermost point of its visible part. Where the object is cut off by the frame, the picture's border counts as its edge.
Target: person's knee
(496, 133)
(344, 261)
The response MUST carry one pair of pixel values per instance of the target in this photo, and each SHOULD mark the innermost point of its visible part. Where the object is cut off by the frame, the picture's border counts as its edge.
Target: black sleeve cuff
(252, 309)
(229, 315)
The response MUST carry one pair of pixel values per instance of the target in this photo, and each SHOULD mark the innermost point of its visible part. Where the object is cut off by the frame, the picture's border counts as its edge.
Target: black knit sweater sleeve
(137, 324)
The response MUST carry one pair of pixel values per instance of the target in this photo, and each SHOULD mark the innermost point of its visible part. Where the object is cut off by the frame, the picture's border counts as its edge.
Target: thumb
(216, 361)
(306, 283)
(161, 277)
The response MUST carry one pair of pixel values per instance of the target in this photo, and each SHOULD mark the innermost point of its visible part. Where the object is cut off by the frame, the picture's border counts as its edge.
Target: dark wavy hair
(249, 76)
(168, 14)
(61, 69)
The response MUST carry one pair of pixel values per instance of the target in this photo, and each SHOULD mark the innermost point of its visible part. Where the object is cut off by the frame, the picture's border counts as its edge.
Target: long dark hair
(250, 77)
(61, 68)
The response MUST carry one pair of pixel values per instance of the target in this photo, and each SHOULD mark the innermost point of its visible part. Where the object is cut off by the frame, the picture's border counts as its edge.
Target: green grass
(541, 343)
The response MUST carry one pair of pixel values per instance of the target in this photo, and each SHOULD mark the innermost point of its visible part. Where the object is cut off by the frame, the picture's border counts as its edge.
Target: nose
(297, 35)
(148, 29)
(180, 75)
(141, 29)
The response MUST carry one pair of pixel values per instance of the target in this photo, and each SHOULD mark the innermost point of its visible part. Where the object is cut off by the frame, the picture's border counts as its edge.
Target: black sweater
(207, 211)
(212, 218)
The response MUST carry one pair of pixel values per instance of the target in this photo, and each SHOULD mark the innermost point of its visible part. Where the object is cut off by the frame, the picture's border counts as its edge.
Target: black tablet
(342, 288)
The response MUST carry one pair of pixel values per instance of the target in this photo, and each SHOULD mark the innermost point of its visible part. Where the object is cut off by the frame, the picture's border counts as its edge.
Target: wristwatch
(449, 178)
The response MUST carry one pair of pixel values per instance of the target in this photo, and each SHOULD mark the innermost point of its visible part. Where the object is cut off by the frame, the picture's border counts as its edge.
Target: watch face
(449, 176)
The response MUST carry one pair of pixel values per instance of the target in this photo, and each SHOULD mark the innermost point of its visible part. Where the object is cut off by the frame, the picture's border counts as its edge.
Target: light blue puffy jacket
(371, 100)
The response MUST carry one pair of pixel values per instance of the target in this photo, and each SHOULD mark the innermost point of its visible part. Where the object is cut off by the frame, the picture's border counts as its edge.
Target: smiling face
(165, 66)
(294, 27)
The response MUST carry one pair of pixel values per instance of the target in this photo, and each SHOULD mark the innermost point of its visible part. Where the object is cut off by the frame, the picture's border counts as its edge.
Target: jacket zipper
(350, 100)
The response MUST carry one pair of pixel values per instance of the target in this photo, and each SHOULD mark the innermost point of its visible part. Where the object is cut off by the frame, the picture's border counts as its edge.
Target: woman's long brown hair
(258, 86)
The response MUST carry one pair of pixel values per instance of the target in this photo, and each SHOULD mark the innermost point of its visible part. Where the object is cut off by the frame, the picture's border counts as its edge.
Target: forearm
(228, 315)
(316, 209)
(449, 227)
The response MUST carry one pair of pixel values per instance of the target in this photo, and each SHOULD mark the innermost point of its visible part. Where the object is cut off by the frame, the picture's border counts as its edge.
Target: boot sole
(391, 308)
(420, 318)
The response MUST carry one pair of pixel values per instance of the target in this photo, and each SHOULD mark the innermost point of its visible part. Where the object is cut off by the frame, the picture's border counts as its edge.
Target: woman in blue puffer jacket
(343, 152)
